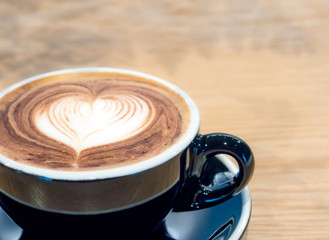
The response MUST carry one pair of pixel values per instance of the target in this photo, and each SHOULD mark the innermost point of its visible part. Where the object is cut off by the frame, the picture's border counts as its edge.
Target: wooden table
(256, 69)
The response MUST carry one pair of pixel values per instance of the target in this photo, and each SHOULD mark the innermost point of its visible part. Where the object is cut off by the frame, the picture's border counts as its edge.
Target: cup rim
(177, 148)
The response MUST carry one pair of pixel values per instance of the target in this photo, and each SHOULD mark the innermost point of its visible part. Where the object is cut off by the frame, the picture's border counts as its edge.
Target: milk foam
(91, 121)
(83, 123)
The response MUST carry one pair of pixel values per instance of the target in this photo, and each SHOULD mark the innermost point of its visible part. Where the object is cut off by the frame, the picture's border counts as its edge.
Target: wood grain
(256, 69)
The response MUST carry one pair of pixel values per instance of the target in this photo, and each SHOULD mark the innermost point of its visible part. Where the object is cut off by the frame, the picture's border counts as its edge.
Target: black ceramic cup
(126, 202)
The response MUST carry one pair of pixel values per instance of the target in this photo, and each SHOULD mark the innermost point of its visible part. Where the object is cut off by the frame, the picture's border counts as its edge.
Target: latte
(90, 121)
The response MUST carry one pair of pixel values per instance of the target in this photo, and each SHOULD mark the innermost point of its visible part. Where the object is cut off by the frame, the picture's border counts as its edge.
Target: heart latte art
(90, 121)
(82, 124)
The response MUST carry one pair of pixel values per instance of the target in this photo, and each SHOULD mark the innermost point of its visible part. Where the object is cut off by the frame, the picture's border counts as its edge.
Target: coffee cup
(106, 153)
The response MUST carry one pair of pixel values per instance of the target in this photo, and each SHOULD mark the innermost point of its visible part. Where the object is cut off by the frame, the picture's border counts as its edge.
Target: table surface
(256, 69)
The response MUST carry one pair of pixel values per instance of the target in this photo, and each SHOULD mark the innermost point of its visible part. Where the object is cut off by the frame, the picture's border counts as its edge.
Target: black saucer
(227, 220)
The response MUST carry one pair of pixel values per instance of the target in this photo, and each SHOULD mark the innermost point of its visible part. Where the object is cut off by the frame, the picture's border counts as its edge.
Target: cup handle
(195, 195)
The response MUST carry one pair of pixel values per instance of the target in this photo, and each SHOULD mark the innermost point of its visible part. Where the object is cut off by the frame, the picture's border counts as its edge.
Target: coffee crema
(90, 121)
